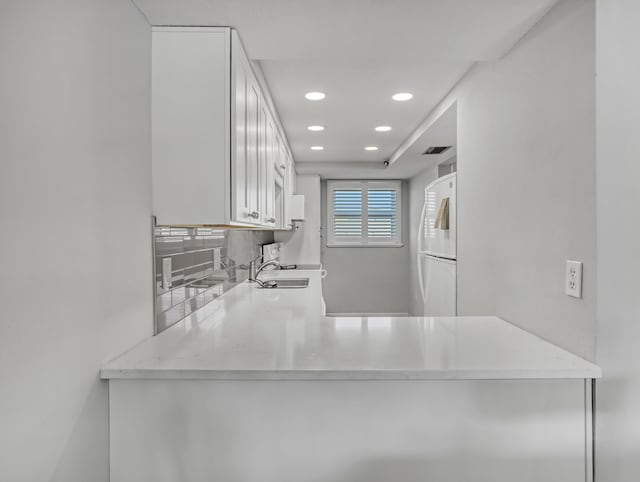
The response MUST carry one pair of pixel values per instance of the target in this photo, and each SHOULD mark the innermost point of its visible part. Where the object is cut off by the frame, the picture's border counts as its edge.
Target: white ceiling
(359, 52)
(358, 99)
(441, 132)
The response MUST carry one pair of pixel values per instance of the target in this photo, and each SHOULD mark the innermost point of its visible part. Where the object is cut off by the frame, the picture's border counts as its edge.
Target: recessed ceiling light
(383, 128)
(402, 96)
(371, 148)
(315, 128)
(315, 95)
(316, 148)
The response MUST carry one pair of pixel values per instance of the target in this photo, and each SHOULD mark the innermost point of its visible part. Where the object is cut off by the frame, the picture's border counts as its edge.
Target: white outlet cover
(573, 279)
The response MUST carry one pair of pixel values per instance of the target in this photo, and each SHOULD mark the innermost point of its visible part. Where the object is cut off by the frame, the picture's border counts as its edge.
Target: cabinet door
(283, 168)
(288, 192)
(190, 128)
(292, 175)
(244, 154)
(253, 145)
(267, 182)
(279, 160)
(280, 198)
(264, 155)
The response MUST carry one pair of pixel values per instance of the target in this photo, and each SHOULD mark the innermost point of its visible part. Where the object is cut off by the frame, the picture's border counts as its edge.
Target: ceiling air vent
(435, 150)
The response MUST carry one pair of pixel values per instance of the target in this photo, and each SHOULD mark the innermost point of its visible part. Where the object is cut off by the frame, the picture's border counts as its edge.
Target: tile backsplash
(193, 266)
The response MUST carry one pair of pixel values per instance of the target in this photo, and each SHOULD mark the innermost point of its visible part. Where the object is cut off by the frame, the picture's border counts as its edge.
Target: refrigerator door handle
(446, 259)
(419, 255)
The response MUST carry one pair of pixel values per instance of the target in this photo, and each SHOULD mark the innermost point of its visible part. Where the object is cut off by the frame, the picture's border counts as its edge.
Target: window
(364, 213)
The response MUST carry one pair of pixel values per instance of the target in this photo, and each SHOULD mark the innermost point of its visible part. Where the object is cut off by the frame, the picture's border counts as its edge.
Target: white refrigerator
(437, 248)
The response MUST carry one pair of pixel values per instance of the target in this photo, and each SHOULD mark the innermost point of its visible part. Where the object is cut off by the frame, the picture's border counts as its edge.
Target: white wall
(367, 280)
(302, 245)
(526, 180)
(526, 184)
(618, 199)
(416, 203)
(75, 206)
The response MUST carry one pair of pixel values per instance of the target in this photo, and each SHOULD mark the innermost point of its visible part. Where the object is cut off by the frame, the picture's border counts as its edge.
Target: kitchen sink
(286, 283)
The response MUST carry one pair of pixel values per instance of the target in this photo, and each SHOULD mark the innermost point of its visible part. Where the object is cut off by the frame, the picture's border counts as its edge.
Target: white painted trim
(363, 186)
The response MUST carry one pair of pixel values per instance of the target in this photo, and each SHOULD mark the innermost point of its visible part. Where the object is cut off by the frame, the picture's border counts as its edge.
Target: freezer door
(439, 286)
(437, 241)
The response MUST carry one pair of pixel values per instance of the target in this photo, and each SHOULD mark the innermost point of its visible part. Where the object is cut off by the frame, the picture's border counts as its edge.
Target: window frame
(364, 186)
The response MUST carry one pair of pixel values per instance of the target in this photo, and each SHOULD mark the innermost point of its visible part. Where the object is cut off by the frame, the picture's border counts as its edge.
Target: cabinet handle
(254, 214)
(271, 220)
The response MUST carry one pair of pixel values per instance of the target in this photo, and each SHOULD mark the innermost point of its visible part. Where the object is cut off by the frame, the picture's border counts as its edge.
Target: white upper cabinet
(268, 198)
(245, 112)
(191, 127)
(289, 190)
(216, 142)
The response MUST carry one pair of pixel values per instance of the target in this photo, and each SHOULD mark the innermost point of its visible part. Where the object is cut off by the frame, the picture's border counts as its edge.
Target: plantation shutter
(347, 214)
(382, 211)
(363, 213)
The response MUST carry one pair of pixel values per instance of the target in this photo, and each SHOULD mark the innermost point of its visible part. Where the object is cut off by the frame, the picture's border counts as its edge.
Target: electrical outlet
(573, 279)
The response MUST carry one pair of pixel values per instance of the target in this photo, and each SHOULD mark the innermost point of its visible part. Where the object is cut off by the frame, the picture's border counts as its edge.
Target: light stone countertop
(281, 334)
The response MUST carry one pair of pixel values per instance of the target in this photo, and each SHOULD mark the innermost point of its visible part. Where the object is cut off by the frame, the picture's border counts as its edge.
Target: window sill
(368, 245)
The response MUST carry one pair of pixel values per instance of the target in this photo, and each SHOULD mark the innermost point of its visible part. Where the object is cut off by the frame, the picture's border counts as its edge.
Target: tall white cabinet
(218, 148)
(245, 119)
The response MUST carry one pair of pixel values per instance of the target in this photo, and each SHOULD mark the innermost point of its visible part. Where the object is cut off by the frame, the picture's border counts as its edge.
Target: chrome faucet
(254, 273)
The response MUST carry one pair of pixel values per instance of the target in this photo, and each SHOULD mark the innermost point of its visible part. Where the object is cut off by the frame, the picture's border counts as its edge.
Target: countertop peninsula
(282, 334)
